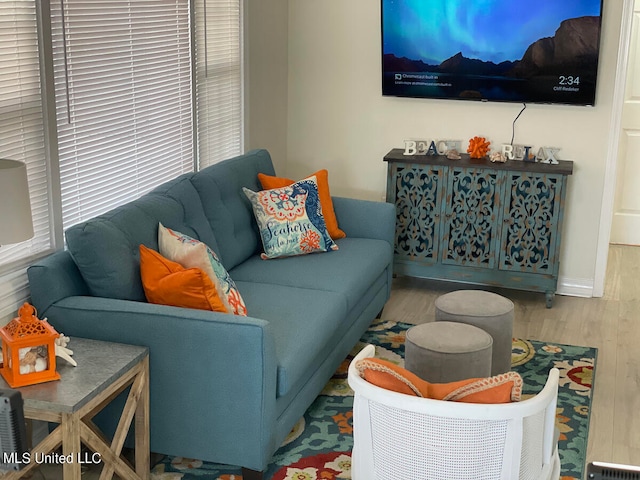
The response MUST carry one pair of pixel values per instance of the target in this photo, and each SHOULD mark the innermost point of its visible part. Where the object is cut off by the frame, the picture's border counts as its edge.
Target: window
(125, 114)
(22, 138)
(123, 100)
(218, 80)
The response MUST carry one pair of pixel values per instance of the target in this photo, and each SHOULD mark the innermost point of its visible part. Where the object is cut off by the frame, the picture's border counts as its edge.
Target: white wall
(266, 35)
(338, 119)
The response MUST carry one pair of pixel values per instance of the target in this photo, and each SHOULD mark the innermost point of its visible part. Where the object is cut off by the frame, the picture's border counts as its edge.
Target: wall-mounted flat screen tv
(538, 51)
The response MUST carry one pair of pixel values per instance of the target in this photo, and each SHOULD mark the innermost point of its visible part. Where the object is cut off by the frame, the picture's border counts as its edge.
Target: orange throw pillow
(169, 283)
(268, 182)
(503, 388)
(390, 376)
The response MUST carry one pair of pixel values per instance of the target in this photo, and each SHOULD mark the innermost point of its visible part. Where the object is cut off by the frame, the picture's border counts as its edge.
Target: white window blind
(22, 138)
(219, 80)
(124, 106)
(123, 100)
(21, 126)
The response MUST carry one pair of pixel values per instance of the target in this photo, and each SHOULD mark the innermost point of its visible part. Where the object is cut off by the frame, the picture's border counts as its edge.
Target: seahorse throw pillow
(290, 219)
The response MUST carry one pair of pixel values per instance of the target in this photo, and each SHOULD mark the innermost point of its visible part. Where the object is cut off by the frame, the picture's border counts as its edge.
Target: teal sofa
(224, 388)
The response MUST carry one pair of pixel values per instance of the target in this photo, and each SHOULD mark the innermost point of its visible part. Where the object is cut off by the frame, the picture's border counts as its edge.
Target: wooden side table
(104, 371)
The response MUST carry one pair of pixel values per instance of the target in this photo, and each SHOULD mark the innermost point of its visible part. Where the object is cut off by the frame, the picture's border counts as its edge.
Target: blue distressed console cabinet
(478, 222)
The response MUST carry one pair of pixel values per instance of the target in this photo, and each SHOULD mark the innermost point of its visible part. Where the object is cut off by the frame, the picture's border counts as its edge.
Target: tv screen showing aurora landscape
(539, 51)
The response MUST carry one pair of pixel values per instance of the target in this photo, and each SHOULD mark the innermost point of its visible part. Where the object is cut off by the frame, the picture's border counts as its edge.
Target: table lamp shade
(16, 224)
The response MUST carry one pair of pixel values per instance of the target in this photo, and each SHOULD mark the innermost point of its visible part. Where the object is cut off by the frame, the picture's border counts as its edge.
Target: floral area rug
(319, 446)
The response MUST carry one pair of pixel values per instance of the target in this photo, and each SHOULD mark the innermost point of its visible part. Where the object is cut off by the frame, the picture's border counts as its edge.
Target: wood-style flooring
(610, 323)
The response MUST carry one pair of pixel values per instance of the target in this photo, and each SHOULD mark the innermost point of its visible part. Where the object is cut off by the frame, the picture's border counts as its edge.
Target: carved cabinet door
(417, 192)
(531, 222)
(470, 218)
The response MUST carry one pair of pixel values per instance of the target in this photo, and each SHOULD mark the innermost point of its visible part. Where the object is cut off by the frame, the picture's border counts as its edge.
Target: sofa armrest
(365, 218)
(212, 375)
(53, 278)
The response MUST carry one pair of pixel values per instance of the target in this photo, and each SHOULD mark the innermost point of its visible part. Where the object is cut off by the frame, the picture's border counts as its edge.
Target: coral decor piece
(478, 147)
(62, 351)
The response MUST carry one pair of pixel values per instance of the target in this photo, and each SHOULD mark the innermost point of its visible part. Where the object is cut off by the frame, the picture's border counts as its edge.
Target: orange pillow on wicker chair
(169, 283)
(503, 388)
(268, 182)
(390, 376)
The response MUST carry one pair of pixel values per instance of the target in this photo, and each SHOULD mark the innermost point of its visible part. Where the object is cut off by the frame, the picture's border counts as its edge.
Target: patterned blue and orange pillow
(290, 219)
(191, 253)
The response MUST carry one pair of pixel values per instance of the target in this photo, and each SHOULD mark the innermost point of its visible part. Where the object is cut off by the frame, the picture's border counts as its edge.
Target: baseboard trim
(575, 287)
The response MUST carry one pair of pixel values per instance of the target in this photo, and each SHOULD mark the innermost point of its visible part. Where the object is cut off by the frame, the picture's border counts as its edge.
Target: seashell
(453, 154)
(24, 369)
(498, 157)
(41, 364)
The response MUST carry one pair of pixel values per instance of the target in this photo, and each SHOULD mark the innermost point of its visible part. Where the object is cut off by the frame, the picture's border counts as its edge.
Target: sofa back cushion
(227, 209)
(106, 248)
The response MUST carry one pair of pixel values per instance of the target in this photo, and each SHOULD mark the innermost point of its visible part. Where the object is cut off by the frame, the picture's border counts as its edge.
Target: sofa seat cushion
(359, 261)
(302, 322)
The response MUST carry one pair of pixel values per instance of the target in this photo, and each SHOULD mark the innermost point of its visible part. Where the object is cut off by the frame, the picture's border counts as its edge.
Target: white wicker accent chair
(413, 438)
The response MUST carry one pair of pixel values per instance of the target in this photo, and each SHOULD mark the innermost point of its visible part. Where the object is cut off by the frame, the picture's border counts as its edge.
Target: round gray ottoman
(489, 311)
(441, 352)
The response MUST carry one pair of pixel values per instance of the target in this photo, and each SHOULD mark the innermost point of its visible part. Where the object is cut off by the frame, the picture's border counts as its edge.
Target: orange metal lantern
(28, 349)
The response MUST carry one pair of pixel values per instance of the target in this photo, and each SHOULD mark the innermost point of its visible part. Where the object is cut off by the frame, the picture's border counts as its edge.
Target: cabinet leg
(549, 298)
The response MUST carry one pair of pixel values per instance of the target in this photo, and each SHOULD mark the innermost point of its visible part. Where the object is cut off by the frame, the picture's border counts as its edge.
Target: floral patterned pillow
(191, 253)
(290, 219)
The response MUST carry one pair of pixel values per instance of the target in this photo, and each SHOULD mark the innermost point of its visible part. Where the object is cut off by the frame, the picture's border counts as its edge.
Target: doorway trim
(611, 167)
